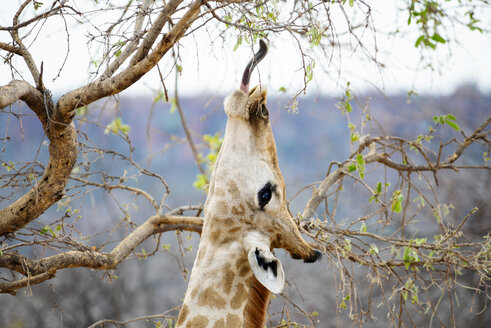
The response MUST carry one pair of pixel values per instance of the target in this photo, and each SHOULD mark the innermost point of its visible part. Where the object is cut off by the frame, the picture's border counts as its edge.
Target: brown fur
(257, 305)
(201, 253)
(239, 297)
(228, 279)
(198, 322)
(183, 314)
(219, 324)
(233, 321)
(209, 297)
(238, 210)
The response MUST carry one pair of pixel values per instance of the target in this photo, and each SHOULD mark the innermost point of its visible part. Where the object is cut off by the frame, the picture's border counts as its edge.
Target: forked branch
(319, 194)
(40, 270)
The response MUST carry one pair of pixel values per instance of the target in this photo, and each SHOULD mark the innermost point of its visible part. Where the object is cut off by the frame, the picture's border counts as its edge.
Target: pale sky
(218, 69)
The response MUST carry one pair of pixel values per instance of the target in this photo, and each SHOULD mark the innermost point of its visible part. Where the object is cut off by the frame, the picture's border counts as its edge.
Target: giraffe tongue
(258, 56)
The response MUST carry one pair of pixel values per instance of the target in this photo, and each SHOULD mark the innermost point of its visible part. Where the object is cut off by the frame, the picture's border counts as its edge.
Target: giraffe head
(247, 190)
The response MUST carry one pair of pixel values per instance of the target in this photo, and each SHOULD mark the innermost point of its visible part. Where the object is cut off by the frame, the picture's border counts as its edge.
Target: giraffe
(246, 217)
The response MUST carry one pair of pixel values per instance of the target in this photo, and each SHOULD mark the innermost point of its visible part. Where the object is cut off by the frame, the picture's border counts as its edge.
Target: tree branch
(107, 87)
(462, 146)
(51, 12)
(63, 154)
(23, 50)
(185, 127)
(149, 40)
(10, 287)
(10, 48)
(320, 193)
(91, 258)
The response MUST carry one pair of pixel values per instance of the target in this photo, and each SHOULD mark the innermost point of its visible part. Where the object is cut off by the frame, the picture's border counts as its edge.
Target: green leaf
(81, 111)
(37, 4)
(438, 38)
(397, 199)
(363, 227)
(406, 256)
(347, 244)
(429, 44)
(351, 167)
(201, 182)
(160, 96)
(450, 117)
(348, 107)
(309, 71)
(378, 189)
(173, 105)
(453, 125)
(374, 249)
(44, 230)
(354, 137)
(360, 163)
(419, 40)
(117, 126)
(436, 215)
(238, 43)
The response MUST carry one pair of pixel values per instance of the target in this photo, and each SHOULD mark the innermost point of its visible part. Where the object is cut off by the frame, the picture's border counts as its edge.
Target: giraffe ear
(267, 269)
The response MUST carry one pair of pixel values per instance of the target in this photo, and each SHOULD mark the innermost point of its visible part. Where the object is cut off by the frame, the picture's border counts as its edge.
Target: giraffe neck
(222, 290)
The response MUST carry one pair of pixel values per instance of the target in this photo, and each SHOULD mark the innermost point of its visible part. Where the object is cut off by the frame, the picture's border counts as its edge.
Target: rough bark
(63, 154)
(46, 267)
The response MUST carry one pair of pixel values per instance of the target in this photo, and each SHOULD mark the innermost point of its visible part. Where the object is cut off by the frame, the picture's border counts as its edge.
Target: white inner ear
(267, 269)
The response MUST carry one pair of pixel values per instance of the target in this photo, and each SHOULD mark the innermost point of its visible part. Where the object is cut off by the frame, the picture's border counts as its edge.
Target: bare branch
(23, 50)
(103, 88)
(10, 48)
(10, 287)
(185, 127)
(320, 193)
(21, 90)
(90, 257)
(46, 14)
(462, 146)
(149, 40)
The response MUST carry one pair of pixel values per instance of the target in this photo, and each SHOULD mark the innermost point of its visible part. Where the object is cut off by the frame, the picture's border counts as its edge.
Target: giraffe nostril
(296, 256)
(314, 256)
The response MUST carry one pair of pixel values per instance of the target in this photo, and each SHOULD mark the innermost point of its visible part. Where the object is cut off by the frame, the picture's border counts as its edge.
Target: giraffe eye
(264, 195)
